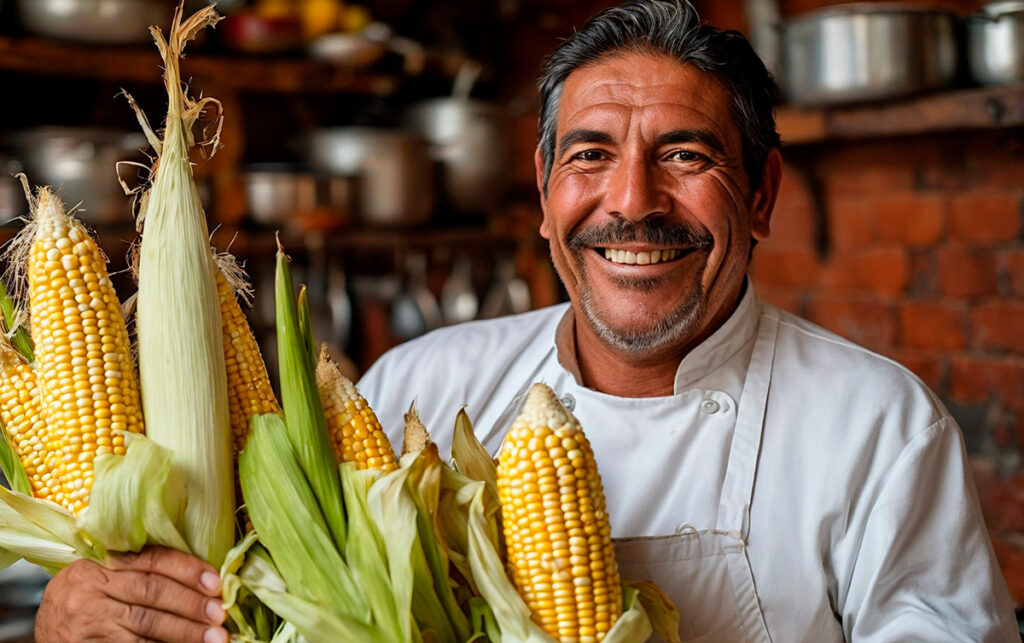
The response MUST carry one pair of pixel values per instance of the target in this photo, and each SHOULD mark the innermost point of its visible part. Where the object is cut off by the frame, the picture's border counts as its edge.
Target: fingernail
(210, 581)
(215, 635)
(214, 612)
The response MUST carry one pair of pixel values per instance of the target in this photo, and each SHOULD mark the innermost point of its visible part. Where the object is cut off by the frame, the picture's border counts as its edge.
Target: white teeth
(640, 258)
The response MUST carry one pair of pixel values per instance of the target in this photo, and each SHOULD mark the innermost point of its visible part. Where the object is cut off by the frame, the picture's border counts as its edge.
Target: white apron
(709, 569)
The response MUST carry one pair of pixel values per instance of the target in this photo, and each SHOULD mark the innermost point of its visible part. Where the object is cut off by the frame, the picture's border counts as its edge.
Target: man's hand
(158, 594)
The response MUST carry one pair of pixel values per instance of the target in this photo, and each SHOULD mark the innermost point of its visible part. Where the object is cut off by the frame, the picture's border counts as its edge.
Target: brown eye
(687, 156)
(590, 155)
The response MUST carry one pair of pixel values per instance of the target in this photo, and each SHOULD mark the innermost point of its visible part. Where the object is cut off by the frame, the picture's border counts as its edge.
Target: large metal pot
(395, 167)
(859, 52)
(468, 139)
(79, 162)
(98, 21)
(995, 43)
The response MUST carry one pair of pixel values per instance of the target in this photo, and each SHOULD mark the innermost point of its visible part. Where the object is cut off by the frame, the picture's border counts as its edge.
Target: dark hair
(673, 28)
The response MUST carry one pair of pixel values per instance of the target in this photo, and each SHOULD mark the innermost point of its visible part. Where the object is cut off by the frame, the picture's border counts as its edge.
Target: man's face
(649, 213)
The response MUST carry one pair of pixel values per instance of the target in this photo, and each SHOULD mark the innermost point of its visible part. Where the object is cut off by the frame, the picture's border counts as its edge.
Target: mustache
(646, 231)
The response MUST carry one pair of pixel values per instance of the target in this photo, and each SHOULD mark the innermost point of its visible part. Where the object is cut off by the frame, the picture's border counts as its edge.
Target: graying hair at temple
(673, 28)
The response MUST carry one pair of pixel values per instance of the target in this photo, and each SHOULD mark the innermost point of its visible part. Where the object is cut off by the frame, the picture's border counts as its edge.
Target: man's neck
(608, 370)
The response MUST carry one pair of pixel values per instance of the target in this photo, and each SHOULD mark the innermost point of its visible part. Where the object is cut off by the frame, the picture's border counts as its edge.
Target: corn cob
(356, 434)
(560, 554)
(86, 376)
(249, 390)
(21, 414)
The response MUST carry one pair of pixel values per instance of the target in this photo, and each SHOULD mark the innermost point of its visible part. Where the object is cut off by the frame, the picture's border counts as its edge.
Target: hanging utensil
(508, 294)
(340, 304)
(459, 302)
(414, 310)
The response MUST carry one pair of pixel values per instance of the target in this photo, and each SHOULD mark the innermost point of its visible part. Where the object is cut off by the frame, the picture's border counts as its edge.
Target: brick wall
(925, 264)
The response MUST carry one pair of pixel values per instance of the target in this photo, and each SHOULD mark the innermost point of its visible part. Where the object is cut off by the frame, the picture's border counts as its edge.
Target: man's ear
(538, 166)
(763, 198)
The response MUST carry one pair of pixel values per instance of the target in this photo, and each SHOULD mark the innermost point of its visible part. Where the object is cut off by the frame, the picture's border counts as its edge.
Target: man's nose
(634, 191)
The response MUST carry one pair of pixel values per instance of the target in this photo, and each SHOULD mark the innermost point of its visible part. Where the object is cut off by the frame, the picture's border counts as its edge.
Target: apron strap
(734, 507)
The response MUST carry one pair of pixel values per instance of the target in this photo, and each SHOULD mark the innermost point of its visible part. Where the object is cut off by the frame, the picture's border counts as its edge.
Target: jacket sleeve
(925, 569)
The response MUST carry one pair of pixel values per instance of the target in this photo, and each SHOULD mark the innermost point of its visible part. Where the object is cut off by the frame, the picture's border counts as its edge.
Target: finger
(184, 568)
(159, 592)
(153, 624)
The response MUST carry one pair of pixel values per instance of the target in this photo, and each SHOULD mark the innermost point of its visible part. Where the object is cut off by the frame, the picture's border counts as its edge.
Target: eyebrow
(703, 136)
(579, 135)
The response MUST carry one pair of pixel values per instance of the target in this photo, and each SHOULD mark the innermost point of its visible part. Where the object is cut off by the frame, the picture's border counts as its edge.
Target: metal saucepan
(79, 162)
(995, 43)
(468, 139)
(395, 166)
(97, 21)
(863, 51)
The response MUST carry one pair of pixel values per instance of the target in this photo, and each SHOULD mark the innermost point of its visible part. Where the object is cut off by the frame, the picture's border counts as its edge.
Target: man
(777, 481)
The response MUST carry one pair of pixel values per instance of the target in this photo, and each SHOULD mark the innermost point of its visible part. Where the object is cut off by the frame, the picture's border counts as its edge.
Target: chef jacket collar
(707, 357)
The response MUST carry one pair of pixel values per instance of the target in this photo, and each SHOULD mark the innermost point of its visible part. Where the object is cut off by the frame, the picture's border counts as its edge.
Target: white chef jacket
(862, 522)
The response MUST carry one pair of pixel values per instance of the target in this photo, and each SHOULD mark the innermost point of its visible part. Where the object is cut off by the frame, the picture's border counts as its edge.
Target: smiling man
(779, 482)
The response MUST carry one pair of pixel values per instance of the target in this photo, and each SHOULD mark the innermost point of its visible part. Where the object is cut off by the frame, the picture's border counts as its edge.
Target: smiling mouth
(641, 258)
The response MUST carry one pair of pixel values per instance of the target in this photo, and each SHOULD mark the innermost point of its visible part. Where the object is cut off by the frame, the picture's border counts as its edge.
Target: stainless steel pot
(995, 43)
(395, 167)
(468, 139)
(79, 162)
(98, 21)
(862, 51)
(284, 195)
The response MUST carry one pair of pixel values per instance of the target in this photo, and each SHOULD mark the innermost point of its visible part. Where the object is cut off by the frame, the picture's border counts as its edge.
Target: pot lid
(1001, 8)
(874, 9)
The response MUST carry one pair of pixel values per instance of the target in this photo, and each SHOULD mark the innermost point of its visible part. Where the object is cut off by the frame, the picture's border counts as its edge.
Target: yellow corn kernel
(356, 434)
(88, 389)
(560, 555)
(21, 414)
(249, 390)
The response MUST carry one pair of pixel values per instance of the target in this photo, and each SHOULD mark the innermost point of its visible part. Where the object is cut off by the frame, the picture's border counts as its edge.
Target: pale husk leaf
(181, 357)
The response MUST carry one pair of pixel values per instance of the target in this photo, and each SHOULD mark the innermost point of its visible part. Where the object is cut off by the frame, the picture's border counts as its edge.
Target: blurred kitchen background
(391, 143)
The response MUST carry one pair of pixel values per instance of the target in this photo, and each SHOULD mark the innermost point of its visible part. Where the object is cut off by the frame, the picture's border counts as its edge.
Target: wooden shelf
(965, 109)
(122, 64)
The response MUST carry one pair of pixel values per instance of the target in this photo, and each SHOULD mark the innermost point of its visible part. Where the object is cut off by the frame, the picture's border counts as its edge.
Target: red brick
(924, 273)
(932, 324)
(968, 273)
(869, 167)
(788, 299)
(979, 380)
(985, 217)
(851, 223)
(885, 271)
(783, 267)
(1011, 563)
(792, 223)
(911, 219)
(1002, 503)
(865, 322)
(998, 325)
(929, 366)
(1015, 271)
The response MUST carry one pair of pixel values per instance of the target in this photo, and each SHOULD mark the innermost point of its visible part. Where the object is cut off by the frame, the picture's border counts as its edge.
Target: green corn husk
(284, 512)
(14, 326)
(181, 357)
(425, 483)
(366, 555)
(136, 501)
(13, 470)
(300, 400)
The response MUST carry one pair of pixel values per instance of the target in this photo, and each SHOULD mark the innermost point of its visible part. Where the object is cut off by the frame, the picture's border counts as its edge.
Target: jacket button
(710, 406)
(569, 402)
